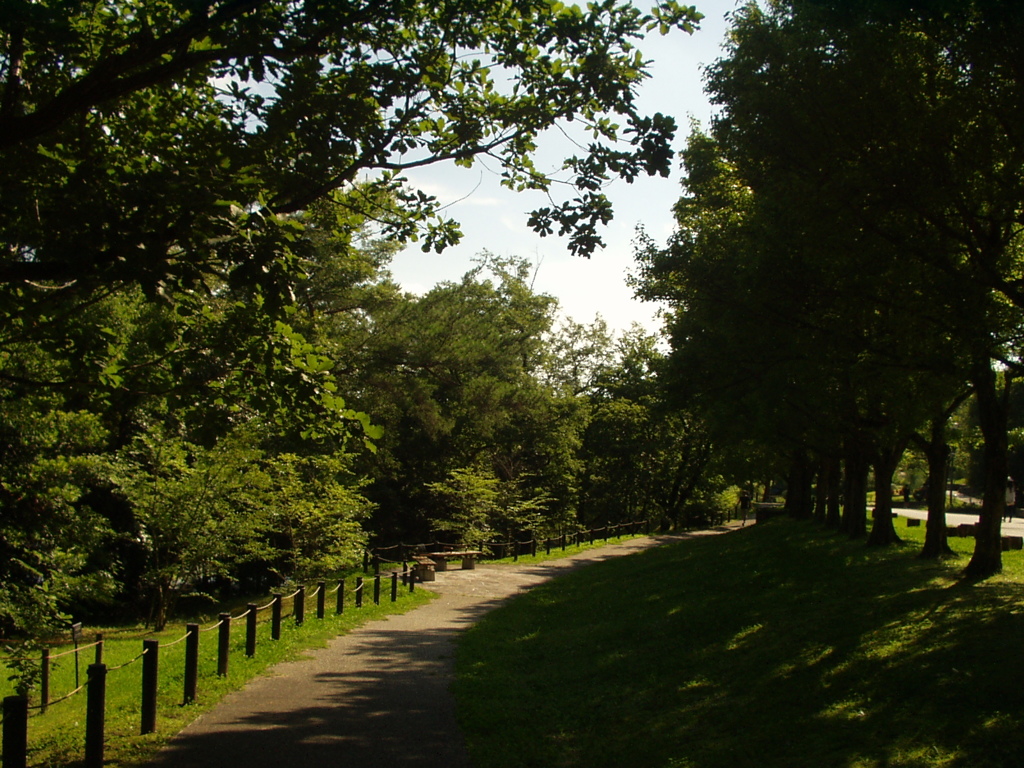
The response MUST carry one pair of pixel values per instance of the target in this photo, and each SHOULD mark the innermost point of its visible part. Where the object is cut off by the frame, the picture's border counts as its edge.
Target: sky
(494, 219)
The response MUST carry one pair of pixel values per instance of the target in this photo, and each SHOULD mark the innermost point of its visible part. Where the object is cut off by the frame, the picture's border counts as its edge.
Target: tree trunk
(821, 491)
(992, 416)
(161, 610)
(833, 511)
(937, 452)
(798, 494)
(882, 530)
(854, 522)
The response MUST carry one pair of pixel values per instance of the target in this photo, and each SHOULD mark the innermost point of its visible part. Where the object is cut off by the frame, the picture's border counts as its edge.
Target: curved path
(378, 696)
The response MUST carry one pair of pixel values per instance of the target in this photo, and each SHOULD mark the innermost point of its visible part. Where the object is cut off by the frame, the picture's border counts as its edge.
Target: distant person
(1011, 500)
(744, 505)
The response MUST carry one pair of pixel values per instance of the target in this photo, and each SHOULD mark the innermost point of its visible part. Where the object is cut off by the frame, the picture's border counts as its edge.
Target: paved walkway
(1013, 528)
(378, 696)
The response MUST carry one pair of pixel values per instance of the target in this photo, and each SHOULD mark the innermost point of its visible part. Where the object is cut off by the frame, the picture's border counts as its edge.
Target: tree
(477, 506)
(160, 146)
(198, 511)
(314, 511)
(901, 120)
(643, 458)
(814, 215)
(457, 378)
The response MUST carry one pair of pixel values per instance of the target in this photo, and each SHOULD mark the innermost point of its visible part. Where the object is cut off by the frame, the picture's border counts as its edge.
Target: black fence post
(99, 647)
(95, 706)
(341, 597)
(15, 742)
(191, 662)
(275, 618)
(321, 598)
(223, 644)
(366, 561)
(376, 588)
(44, 681)
(394, 586)
(547, 546)
(250, 629)
(150, 673)
(533, 548)
(359, 591)
(300, 606)
(563, 542)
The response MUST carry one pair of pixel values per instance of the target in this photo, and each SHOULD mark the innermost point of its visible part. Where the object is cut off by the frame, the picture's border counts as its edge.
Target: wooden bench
(423, 568)
(468, 558)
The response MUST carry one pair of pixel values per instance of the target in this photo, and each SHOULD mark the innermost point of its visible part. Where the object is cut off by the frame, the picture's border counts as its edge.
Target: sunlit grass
(779, 645)
(57, 738)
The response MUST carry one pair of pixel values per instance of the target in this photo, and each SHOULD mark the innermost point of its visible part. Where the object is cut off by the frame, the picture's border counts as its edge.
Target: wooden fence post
(99, 647)
(376, 587)
(95, 706)
(299, 608)
(15, 742)
(275, 618)
(394, 586)
(359, 591)
(191, 662)
(150, 673)
(321, 598)
(250, 629)
(341, 597)
(223, 644)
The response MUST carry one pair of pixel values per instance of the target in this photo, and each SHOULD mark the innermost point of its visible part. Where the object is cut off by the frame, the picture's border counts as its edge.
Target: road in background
(1015, 528)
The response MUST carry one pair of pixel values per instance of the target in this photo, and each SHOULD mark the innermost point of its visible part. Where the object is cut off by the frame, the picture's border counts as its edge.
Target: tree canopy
(849, 245)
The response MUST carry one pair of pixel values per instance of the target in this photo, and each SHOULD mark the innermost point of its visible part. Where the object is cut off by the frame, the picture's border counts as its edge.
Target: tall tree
(163, 144)
(902, 120)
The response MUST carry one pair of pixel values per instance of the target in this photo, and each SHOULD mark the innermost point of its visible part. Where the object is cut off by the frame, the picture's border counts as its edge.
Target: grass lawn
(777, 645)
(57, 738)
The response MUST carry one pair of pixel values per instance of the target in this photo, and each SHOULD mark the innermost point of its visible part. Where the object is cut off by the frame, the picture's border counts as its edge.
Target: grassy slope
(58, 737)
(777, 645)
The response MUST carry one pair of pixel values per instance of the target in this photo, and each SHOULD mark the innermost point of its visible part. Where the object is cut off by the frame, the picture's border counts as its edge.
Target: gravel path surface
(378, 696)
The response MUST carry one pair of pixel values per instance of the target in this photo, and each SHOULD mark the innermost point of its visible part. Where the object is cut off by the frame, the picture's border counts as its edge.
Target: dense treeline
(847, 266)
(490, 420)
(206, 376)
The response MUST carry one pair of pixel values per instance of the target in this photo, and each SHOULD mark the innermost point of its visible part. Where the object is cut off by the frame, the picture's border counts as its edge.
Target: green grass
(57, 738)
(777, 645)
(557, 552)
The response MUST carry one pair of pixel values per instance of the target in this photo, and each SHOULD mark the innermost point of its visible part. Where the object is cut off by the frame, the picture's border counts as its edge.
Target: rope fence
(499, 550)
(16, 709)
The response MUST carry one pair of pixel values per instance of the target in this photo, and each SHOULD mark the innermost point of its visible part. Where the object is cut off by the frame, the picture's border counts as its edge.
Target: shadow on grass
(779, 645)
